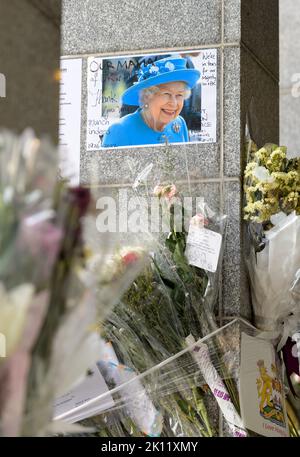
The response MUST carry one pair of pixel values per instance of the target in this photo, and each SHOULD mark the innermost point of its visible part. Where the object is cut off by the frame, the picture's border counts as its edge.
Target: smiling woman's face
(165, 105)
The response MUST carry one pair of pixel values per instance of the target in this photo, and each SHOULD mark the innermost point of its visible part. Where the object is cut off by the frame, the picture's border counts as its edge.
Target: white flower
(154, 69)
(14, 306)
(170, 66)
(262, 174)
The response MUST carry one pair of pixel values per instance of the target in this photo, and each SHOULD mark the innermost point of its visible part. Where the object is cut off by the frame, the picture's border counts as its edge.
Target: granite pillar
(29, 64)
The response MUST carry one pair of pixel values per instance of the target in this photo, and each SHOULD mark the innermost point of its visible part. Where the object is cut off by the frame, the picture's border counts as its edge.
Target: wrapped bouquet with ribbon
(153, 332)
(272, 212)
(53, 289)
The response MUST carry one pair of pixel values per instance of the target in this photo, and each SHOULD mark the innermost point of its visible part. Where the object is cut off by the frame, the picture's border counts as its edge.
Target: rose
(130, 258)
(199, 220)
(168, 191)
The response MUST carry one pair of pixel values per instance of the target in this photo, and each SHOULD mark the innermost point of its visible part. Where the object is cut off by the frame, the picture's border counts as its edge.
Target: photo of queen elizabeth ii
(151, 99)
(159, 95)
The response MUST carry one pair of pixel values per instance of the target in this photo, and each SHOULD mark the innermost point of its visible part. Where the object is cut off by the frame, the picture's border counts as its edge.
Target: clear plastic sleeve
(271, 209)
(175, 397)
(53, 288)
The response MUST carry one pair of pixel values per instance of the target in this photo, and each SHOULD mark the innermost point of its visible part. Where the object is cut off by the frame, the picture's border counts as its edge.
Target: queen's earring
(146, 106)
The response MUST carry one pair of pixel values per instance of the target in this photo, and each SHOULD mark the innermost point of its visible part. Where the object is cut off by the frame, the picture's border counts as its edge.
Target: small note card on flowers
(203, 248)
(262, 396)
(77, 404)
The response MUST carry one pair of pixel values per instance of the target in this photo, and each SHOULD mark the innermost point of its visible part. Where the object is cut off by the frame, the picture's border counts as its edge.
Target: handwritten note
(70, 119)
(96, 123)
(203, 248)
(206, 62)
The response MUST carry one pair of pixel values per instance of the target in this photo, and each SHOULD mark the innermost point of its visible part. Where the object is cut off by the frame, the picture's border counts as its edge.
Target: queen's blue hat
(160, 72)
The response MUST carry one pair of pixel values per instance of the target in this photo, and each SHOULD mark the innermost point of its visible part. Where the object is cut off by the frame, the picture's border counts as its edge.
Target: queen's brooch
(176, 127)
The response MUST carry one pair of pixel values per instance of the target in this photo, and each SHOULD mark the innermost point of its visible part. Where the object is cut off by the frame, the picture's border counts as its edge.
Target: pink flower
(170, 191)
(41, 240)
(165, 191)
(157, 191)
(130, 258)
(199, 220)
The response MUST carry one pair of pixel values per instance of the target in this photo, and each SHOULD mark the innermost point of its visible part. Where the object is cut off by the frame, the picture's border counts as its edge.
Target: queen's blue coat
(131, 130)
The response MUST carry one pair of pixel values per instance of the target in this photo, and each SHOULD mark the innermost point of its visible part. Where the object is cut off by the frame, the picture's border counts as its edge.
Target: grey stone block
(92, 26)
(260, 92)
(122, 196)
(254, 22)
(121, 166)
(289, 123)
(232, 119)
(232, 20)
(260, 24)
(235, 297)
(30, 50)
(210, 192)
(232, 255)
(51, 9)
(248, 88)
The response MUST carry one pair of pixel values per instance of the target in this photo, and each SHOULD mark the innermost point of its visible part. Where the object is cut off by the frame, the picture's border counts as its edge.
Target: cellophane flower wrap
(48, 308)
(174, 398)
(168, 308)
(272, 209)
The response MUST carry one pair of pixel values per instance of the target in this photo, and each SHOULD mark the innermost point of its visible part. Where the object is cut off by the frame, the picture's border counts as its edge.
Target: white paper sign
(261, 390)
(70, 119)
(92, 386)
(203, 248)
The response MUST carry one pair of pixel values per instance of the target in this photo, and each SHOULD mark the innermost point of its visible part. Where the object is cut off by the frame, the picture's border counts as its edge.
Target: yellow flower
(272, 184)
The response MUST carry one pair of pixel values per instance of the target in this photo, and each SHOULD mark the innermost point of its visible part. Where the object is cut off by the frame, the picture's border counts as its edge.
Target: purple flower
(41, 242)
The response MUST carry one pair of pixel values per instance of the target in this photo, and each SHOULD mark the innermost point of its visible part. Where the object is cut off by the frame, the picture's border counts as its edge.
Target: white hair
(147, 93)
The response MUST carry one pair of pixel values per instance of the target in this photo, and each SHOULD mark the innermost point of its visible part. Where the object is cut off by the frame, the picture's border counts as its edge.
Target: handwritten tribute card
(203, 248)
(70, 119)
(108, 78)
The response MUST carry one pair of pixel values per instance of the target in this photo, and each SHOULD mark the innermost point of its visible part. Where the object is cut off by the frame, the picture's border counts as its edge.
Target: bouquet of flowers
(169, 305)
(272, 212)
(48, 305)
(174, 397)
(272, 209)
